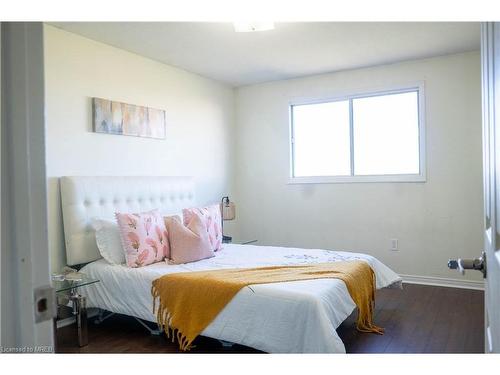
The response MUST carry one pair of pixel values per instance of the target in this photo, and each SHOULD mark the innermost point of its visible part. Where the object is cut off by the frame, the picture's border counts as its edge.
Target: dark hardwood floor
(417, 319)
(422, 319)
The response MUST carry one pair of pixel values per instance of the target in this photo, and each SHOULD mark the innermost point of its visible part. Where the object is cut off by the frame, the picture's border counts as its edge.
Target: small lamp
(228, 212)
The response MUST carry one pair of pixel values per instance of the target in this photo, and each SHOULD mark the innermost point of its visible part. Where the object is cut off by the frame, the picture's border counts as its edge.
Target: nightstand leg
(54, 324)
(80, 307)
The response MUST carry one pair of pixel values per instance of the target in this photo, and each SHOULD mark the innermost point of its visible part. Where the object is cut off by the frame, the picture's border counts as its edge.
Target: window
(371, 137)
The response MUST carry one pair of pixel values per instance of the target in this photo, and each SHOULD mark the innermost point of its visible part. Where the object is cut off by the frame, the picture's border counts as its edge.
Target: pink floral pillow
(211, 218)
(144, 237)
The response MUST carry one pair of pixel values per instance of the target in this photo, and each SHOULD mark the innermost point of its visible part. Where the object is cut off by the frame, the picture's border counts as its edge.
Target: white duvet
(291, 317)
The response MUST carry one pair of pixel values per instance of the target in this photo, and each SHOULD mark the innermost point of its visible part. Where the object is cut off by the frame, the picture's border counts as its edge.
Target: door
(490, 60)
(489, 261)
(27, 303)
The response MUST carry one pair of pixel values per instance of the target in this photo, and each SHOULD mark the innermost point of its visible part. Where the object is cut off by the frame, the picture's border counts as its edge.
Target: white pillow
(109, 243)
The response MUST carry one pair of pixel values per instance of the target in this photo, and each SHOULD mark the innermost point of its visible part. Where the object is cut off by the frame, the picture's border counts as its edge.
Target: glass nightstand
(79, 303)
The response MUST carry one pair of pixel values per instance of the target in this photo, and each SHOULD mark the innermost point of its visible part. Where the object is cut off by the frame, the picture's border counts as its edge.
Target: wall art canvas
(127, 119)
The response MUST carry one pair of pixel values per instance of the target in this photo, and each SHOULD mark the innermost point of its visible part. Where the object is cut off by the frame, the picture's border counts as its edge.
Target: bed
(292, 317)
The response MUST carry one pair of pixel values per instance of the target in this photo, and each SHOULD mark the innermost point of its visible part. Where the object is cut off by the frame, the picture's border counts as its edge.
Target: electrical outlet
(394, 244)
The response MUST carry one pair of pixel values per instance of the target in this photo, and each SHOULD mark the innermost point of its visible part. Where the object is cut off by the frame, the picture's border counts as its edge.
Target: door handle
(478, 264)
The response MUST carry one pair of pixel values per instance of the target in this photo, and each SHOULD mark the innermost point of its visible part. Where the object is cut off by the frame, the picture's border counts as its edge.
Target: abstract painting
(127, 119)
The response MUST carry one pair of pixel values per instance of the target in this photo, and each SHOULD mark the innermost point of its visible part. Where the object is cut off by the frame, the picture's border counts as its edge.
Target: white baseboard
(65, 322)
(442, 281)
(71, 320)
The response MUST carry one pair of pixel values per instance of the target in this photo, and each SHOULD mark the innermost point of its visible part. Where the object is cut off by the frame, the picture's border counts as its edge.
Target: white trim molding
(443, 281)
(25, 244)
(356, 179)
(91, 313)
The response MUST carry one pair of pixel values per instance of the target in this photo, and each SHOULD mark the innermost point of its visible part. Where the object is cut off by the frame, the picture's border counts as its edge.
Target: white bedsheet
(291, 317)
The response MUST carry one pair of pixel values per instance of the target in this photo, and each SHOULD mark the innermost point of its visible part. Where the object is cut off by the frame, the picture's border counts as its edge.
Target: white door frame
(490, 42)
(25, 252)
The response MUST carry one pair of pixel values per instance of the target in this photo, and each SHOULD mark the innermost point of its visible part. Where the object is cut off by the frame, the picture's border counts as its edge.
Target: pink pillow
(188, 243)
(144, 237)
(211, 218)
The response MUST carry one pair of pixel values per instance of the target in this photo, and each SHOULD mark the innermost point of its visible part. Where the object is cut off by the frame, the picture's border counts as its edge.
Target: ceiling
(291, 50)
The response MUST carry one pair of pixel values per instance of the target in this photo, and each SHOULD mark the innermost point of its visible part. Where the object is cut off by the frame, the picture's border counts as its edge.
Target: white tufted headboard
(84, 198)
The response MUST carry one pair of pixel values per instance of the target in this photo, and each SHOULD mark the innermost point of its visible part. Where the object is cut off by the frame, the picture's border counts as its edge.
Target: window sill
(356, 179)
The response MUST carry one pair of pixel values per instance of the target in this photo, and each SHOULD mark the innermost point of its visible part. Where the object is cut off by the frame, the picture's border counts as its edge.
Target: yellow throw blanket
(189, 301)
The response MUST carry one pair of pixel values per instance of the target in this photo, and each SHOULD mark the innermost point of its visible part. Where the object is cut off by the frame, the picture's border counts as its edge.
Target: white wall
(199, 121)
(433, 221)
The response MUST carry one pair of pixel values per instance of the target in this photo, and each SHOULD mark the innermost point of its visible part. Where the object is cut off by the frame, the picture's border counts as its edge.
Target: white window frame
(420, 177)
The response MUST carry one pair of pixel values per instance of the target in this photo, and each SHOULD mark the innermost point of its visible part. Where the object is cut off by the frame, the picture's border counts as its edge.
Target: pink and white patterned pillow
(211, 219)
(144, 237)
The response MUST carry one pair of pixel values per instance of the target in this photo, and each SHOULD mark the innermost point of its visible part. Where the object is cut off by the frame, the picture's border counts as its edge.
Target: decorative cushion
(144, 237)
(211, 218)
(188, 243)
(109, 243)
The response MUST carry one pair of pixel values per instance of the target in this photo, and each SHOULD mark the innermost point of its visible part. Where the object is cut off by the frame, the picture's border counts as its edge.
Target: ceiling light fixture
(245, 27)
